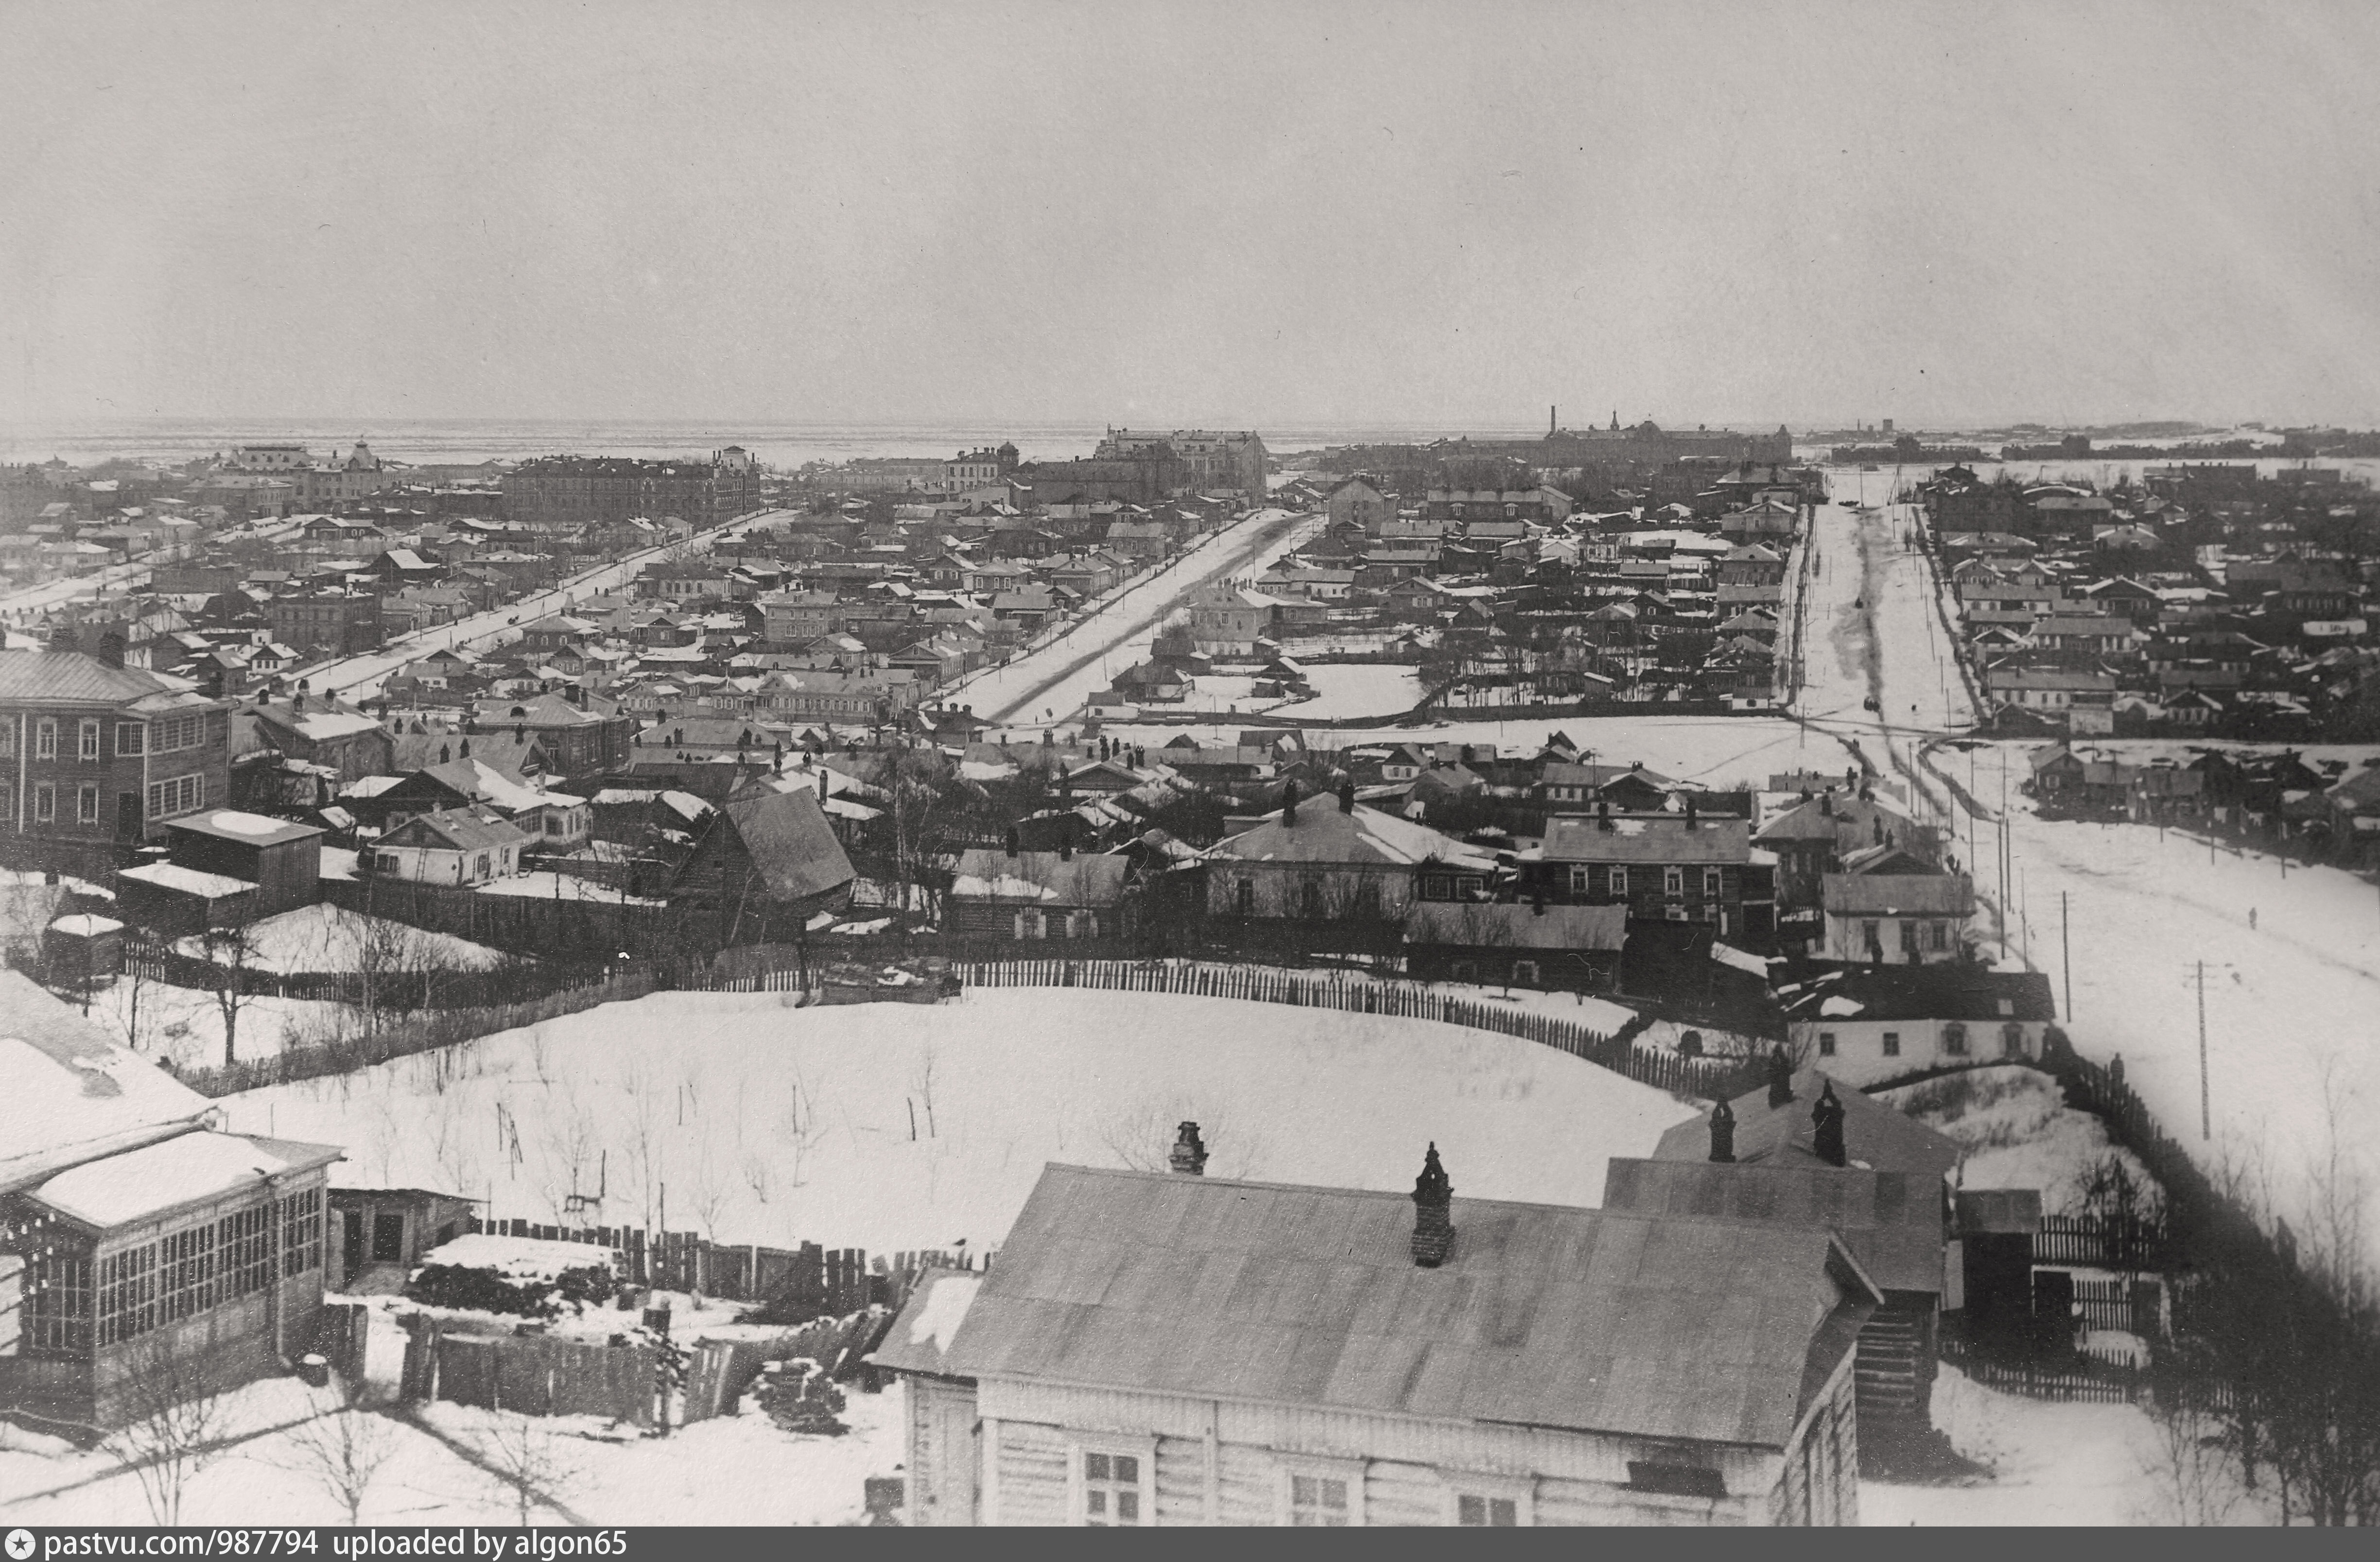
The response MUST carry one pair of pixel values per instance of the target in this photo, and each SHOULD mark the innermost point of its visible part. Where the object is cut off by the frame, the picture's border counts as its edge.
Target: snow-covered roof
(189, 1169)
(86, 926)
(189, 880)
(72, 1092)
(1325, 833)
(519, 1258)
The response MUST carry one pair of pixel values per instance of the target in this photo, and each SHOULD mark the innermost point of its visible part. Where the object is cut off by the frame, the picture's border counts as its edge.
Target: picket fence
(1710, 1078)
(2106, 1244)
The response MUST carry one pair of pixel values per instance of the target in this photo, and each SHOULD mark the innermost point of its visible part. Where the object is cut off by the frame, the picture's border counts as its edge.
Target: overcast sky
(1443, 214)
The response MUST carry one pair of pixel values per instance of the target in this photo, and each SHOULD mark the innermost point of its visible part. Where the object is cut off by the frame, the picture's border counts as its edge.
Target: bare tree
(177, 1427)
(524, 1457)
(344, 1446)
(233, 953)
(1141, 1137)
(572, 1143)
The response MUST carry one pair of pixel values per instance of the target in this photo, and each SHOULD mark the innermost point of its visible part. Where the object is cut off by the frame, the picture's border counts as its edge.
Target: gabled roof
(458, 830)
(66, 678)
(1883, 1137)
(1542, 1316)
(1897, 894)
(1638, 838)
(1891, 1220)
(789, 840)
(1946, 990)
(1323, 833)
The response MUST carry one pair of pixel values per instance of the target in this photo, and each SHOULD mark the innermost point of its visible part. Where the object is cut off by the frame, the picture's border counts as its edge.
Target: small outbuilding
(389, 1228)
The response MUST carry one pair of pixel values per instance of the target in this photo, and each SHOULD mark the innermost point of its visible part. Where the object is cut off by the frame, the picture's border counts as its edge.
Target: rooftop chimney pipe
(1433, 1198)
(1722, 1132)
(1826, 1116)
(1780, 1078)
(1347, 797)
(1189, 1157)
(1289, 803)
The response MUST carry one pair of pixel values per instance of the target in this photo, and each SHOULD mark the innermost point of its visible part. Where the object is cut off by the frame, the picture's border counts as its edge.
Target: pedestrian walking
(2251, 919)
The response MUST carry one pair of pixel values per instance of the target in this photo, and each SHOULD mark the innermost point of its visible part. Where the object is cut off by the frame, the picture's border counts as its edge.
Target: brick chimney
(1289, 803)
(1347, 797)
(1433, 1198)
(1826, 1117)
(1780, 1078)
(1603, 814)
(1009, 840)
(1691, 817)
(1189, 1157)
(1722, 1131)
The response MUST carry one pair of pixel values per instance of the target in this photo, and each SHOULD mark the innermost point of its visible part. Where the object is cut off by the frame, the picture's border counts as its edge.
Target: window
(87, 742)
(244, 1250)
(302, 1232)
(1082, 925)
(1892, 1043)
(1031, 923)
(1111, 1489)
(1870, 936)
(127, 1293)
(1620, 881)
(386, 861)
(1954, 1039)
(1309, 897)
(87, 804)
(1673, 881)
(1524, 973)
(2012, 1040)
(1321, 1494)
(179, 796)
(45, 739)
(1578, 881)
(45, 802)
(169, 737)
(1711, 882)
(1826, 1044)
(1474, 1511)
(480, 865)
(1248, 897)
(129, 738)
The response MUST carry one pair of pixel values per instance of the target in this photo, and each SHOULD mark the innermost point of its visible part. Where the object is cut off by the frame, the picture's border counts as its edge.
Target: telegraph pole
(2066, 955)
(2205, 1099)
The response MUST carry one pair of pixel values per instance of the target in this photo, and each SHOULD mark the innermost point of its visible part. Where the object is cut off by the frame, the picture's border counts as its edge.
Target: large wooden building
(1167, 1348)
(141, 1251)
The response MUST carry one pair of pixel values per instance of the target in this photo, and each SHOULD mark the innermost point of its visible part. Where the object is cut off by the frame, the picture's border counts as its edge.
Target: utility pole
(2066, 955)
(2205, 1098)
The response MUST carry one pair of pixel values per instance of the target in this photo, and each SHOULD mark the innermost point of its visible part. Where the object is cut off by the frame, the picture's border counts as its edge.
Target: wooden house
(456, 847)
(1866, 1024)
(139, 1247)
(1893, 908)
(1551, 947)
(1016, 894)
(1167, 1348)
(1332, 859)
(766, 862)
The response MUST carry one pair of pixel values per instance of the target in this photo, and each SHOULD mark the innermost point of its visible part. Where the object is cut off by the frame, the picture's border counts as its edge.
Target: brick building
(571, 490)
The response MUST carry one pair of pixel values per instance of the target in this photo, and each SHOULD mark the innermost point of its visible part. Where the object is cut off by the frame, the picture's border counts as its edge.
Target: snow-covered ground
(441, 1461)
(186, 1024)
(2050, 1464)
(2292, 1002)
(774, 1124)
(323, 936)
(1342, 690)
(546, 885)
(2017, 1132)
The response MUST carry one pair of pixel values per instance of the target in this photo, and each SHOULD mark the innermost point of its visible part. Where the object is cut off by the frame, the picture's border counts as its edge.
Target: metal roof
(1580, 1319)
(1897, 894)
(1883, 1137)
(1512, 925)
(1891, 1220)
(1664, 839)
(70, 678)
(1945, 990)
(789, 841)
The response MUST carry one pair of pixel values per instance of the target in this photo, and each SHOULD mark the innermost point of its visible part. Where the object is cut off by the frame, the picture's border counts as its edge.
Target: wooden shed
(283, 860)
(83, 947)
(389, 1228)
(1993, 1258)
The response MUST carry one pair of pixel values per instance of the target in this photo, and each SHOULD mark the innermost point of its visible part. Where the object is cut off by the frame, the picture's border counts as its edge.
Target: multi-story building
(268, 458)
(558, 492)
(1217, 462)
(325, 623)
(93, 751)
(1675, 867)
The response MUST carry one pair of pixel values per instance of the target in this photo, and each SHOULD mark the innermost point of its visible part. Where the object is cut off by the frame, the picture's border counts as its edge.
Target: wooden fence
(1710, 1078)
(2105, 1244)
(398, 991)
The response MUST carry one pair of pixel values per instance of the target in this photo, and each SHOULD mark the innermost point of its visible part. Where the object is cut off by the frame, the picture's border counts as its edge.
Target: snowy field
(763, 1123)
(2017, 1132)
(1344, 690)
(323, 936)
(186, 1024)
(2292, 1001)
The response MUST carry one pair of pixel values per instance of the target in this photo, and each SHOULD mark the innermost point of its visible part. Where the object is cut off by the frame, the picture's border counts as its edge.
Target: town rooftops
(460, 829)
(1039, 878)
(1874, 1132)
(1640, 838)
(789, 840)
(1506, 925)
(189, 880)
(72, 1093)
(1891, 1220)
(1540, 1316)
